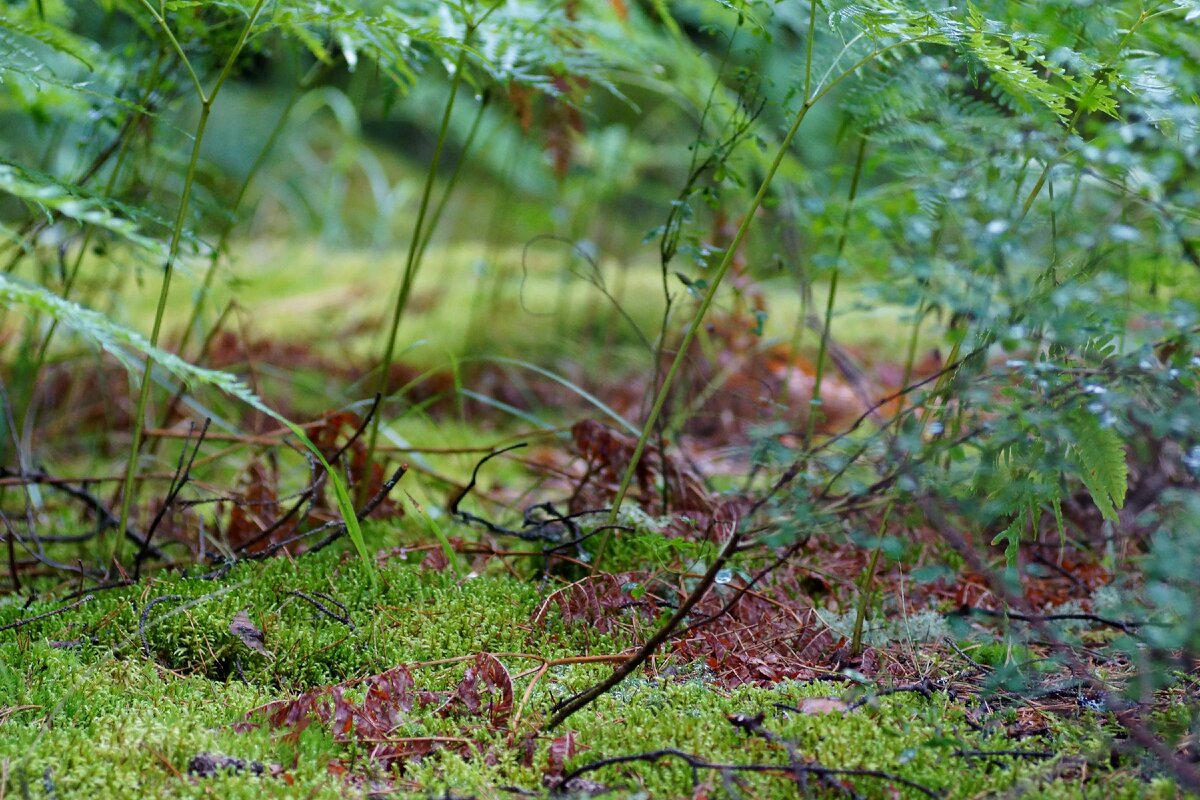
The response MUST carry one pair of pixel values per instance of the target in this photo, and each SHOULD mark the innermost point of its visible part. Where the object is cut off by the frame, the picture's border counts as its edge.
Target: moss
(100, 720)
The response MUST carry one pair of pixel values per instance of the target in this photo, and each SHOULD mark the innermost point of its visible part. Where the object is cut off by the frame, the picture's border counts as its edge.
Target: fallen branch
(698, 764)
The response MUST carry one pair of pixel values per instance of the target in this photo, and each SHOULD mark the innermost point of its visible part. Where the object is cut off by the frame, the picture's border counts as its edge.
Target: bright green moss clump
(85, 714)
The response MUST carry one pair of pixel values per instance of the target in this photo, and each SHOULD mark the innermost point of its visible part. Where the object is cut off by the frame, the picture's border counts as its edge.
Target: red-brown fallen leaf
(561, 750)
(248, 634)
(491, 674)
(598, 600)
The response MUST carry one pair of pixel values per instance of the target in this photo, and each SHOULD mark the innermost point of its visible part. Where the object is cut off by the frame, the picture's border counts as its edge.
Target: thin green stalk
(660, 399)
(436, 216)
(414, 250)
(808, 56)
(139, 417)
(867, 579)
(206, 105)
(1079, 106)
(210, 272)
(910, 360)
(866, 584)
(833, 287)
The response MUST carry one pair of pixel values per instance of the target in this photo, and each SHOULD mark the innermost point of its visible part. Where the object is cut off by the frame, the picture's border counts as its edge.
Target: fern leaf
(1101, 457)
(1011, 537)
(48, 34)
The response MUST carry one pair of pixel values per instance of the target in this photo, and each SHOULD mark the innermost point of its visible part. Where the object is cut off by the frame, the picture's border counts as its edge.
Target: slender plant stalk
(866, 585)
(867, 579)
(227, 229)
(206, 105)
(412, 265)
(664, 390)
(833, 287)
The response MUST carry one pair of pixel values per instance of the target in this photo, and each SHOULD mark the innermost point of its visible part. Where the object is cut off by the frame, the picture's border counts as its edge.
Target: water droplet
(724, 576)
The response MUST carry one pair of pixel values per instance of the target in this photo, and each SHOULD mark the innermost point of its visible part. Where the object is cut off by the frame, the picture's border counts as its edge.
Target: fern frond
(1101, 457)
(127, 346)
(54, 197)
(31, 26)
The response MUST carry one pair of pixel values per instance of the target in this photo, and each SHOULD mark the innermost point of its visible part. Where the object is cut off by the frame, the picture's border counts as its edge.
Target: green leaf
(1011, 537)
(1101, 456)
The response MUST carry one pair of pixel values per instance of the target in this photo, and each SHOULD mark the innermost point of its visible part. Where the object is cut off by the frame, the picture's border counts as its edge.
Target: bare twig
(182, 476)
(698, 764)
(61, 609)
(568, 707)
(343, 618)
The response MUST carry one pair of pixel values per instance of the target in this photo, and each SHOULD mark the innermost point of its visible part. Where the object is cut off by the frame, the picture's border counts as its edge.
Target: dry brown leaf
(823, 705)
(248, 633)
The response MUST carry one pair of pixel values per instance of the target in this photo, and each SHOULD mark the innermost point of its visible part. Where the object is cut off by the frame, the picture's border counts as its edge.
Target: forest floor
(300, 676)
(297, 678)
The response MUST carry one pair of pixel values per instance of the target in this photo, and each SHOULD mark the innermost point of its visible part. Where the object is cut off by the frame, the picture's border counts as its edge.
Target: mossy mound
(145, 691)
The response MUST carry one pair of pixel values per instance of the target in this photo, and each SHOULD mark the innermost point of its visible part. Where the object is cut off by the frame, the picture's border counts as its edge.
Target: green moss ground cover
(84, 712)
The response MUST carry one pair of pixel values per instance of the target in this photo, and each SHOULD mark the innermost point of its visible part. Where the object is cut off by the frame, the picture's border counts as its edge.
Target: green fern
(26, 23)
(1101, 458)
(51, 197)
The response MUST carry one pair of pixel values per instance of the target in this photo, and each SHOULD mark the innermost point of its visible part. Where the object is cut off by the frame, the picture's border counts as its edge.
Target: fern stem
(139, 417)
(187, 64)
(866, 584)
(823, 346)
(808, 56)
(415, 250)
(227, 229)
(436, 216)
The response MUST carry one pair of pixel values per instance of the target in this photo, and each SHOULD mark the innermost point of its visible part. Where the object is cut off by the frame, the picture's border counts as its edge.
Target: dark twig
(924, 687)
(472, 519)
(533, 529)
(146, 615)
(100, 587)
(569, 706)
(11, 539)
(1005, 753)
(584, 537)
(61, 609)
(753, 726)
(697, 764)
(336, 529)
(90, 501)
(343, 618)
(1126, 626)
(182, 475)
(309, 495)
